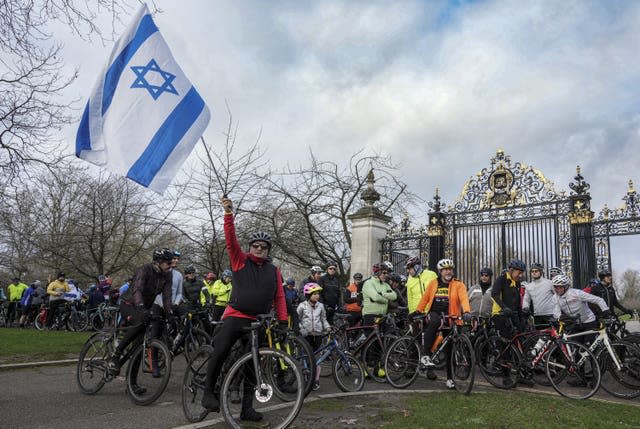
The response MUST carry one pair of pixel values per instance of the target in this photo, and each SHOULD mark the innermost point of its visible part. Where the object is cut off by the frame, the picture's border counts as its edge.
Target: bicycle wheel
(193, 385)
(77, 321)
(40, 320)
(373, 355)
(300, 350)
(91, 371)
(624, 382)
(573, 370)
(348, 373)
(194, 341)
(276, 413)
(148, 372)
(462, 364)
(498, 361)
(402, 362)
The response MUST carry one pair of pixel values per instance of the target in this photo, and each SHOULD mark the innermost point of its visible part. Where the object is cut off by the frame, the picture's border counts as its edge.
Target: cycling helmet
(316, 269)
(403, 278)
(290, 281)
(375, 268)
(357, 276)
(554, 271)
(388, 265)
(604, 273)
(394, 277)
(412, 261)
(163, 254)
(227, 273)
(594, 282)
(517, 264)
(177, 253)
(60, 274)
(260, 236)
(332, 264)
(190, 269)
(445, 263)
(537, 266)
(310, 288)
(35, 284)
(486, 270)
(561, 280)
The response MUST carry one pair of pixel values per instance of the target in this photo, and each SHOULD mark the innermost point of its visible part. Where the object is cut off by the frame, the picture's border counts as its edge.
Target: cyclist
(606, 291)
(444, 296)
(480, 294)
(555, 271)
(56, 291)
(15, 289)
(539, 294)
(507, 305)
(353, 299)
(191, 287)
(221, 292)
(574, 303)
(417, 282)
(376, 295)
(135, 306)
(293, 300)
(394, 281)
(330, 294)
(315, 273)
(257, 288)
(206, 292)
(313, 321)
(28, 301)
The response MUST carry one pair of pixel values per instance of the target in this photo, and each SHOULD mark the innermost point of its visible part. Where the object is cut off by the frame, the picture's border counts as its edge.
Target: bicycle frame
(602, 338)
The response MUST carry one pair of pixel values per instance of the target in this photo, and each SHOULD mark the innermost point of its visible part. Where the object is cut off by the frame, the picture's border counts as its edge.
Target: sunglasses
(331, 268)
(384, 272)
(259, 246)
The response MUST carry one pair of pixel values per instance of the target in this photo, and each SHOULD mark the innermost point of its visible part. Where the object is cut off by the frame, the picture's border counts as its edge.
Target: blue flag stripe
(167, 138)
(83, 138)
(146, 28)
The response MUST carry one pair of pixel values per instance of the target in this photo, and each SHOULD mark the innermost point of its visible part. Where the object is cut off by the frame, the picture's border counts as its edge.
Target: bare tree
(629, 286)
(33, 77)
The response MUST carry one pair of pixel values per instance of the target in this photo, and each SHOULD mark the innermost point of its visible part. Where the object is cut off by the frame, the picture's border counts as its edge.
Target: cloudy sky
(438, 85)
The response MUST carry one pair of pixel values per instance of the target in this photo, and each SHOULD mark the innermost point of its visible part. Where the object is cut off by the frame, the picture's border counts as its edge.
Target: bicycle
(259, 367)
(147, 373)
(103, 316)
(402, 361)
(181, 336)
(619, 361)
(348, 372)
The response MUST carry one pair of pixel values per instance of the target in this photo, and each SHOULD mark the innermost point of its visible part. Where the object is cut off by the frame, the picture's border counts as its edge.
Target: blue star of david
(155, 90)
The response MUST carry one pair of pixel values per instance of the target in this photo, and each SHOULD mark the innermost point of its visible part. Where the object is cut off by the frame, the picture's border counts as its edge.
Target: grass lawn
(513, 410)
(31, 345)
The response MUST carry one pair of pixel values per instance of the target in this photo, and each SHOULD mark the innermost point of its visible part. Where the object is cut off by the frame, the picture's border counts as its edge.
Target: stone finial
(370, 195)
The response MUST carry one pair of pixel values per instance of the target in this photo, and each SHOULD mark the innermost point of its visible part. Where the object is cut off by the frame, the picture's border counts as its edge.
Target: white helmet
(561, 280)
(445, 263)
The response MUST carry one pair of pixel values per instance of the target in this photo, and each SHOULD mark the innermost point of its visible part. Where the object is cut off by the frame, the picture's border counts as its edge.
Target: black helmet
(332, 264)
(395, 277)
(190, 269)
(604, 273)
(357, 276)
(260, 236)
(537, 266)
(517, 264)
(177, 253)
(163, 254)
(486, 270)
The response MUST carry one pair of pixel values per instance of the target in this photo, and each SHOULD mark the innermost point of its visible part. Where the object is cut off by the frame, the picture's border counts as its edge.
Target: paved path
(48, 397)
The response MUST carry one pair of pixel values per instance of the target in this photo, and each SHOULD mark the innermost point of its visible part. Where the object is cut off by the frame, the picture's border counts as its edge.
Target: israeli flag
(144, 116)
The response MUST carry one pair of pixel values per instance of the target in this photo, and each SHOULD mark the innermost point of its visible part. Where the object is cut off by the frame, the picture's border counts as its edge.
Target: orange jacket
(457, 298)
(353, 307)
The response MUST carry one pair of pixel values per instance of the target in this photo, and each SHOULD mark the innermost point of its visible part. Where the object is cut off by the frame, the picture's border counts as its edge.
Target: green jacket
(376, 296)
(416, 285)
(16, 291)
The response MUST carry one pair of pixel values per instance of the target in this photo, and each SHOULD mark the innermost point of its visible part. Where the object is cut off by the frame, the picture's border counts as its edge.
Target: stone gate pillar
(435, 231)
(583, 254)
(368, 226)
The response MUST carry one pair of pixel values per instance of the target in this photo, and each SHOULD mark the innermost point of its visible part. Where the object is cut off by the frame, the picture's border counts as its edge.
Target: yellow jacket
(416, 285)
(222, 292)
(56, 289)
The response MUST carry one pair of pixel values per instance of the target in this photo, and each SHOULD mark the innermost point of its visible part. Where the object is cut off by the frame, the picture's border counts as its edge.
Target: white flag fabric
(144, 116)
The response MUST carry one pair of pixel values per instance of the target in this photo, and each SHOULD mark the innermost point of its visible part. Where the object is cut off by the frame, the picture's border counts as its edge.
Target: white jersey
(540, 293)
(574, 303)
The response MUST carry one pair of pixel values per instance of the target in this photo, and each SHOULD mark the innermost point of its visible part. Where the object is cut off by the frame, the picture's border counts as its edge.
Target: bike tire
(623, 383)
(193, 383)
(78, 321)
(499, 361)
(538, 371)
(570, 363)
(150, 369)
(195, 340)
(402, 362)
(302, 352)
(348, 373)
(462, 364)
(40, 320)
(276, 412)
(92, 370)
